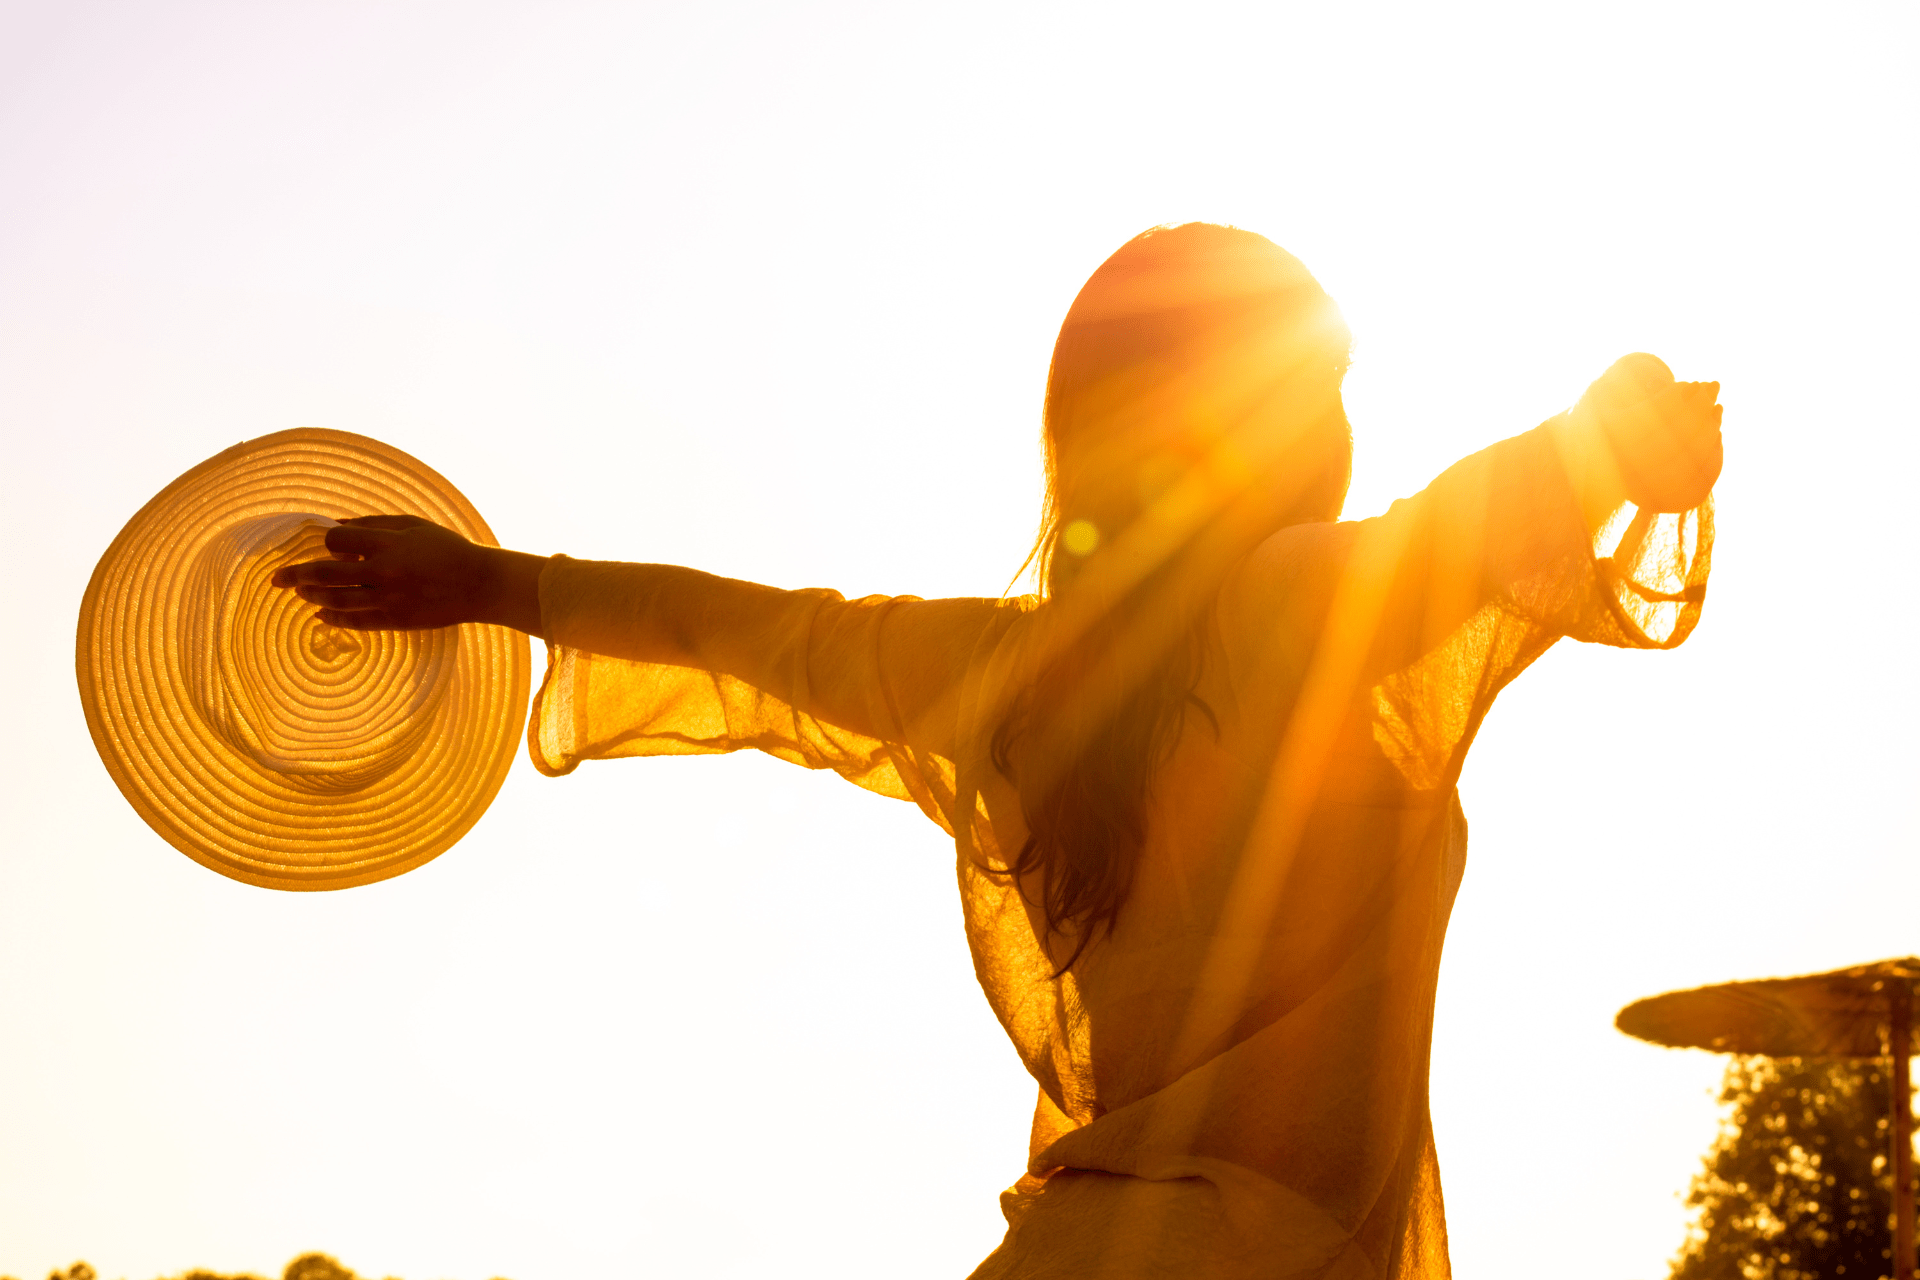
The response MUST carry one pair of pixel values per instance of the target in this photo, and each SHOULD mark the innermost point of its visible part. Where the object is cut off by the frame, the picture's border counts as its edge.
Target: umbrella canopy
(1843, 1014)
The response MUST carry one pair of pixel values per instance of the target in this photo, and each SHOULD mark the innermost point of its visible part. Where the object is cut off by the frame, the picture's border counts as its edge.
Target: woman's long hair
(1192, 409)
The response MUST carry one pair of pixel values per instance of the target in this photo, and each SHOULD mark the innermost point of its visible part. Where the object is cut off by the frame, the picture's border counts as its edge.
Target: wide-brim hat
(258, 740)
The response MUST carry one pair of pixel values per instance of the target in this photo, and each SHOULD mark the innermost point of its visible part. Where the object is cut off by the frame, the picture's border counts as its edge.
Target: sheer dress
(1234, 1082)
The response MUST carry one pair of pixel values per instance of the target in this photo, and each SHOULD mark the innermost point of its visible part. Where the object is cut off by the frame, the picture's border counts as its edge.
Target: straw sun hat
(253, 737)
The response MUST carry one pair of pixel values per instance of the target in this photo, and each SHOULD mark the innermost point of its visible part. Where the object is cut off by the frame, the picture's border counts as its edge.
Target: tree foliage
(308, 1266)
(1796, 1185)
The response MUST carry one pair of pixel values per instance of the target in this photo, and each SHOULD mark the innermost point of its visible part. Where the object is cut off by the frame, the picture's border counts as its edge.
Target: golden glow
(1263, 1001)
(1080, 537)
(781, 308)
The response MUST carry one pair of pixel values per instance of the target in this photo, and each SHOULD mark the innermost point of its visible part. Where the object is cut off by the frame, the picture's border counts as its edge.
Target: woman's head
(1193, 408)
(1195, 383)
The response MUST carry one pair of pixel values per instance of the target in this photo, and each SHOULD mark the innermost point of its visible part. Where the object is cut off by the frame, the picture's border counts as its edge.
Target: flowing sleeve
(650, 660)
(1423, 614)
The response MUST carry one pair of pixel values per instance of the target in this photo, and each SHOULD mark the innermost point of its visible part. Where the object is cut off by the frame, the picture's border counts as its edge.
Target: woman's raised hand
(1664, 436)
(403, 573)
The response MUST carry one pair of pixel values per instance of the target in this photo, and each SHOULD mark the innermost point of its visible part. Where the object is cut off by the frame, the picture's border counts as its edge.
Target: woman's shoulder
(1298, 547)
(1294, 570)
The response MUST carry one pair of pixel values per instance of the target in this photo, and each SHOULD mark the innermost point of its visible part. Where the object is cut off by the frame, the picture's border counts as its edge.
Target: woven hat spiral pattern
(258, 740)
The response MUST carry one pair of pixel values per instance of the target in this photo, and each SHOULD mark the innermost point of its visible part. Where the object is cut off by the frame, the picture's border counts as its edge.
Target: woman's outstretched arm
(885, 668)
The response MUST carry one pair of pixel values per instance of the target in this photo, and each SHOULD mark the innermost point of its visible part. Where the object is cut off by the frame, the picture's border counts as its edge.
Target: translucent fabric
(1234, 1082)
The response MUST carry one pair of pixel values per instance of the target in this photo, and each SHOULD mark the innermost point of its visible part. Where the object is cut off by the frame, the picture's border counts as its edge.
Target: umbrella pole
(1899, 1042)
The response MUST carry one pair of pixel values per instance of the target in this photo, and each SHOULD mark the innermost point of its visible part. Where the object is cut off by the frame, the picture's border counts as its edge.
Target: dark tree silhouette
(308, 1266)
(1796, 1186)
(316, 1266)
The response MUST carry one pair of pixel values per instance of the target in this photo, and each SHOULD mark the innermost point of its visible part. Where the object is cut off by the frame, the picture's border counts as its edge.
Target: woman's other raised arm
(1497, 523)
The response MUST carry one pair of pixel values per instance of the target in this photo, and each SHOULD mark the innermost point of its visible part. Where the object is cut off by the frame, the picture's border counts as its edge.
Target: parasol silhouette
(1862, 1012)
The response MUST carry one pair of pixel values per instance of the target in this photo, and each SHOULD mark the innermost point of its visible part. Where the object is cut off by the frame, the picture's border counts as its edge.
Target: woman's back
(1233, 1081)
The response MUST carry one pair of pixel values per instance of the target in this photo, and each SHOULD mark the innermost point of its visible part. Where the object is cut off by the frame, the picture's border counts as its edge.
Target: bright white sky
(770, 290)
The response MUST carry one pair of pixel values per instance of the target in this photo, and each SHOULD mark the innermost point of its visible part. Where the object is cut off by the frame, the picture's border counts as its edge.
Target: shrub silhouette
(308, 1266)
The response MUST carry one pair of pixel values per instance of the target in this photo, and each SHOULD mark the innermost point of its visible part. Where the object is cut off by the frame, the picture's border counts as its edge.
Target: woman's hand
(402, 573)
(1663, 437)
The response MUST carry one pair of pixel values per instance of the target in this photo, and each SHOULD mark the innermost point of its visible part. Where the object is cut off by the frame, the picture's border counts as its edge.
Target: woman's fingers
(1697, 395)
(1670, 451)
(324, 573)
(353, 599)
(361, 539)
(350, 542)
(361, 620)
(1664, 435)
(393, 573)
(1694, 408)
(385, 522)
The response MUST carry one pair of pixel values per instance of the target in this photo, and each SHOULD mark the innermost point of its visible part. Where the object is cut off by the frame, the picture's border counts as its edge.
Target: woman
(1202, 784)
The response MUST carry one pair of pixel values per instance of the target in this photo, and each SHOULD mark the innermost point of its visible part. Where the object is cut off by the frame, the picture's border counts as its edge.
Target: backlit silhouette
(1201, 786)
(308, 1266)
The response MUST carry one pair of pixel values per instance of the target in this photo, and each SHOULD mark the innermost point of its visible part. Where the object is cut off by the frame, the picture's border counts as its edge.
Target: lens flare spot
(1080, 537)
